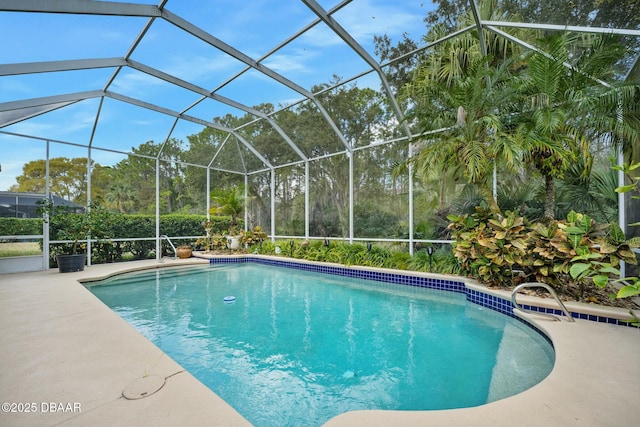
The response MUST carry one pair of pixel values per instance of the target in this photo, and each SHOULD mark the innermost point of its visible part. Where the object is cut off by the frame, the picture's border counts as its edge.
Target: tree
(597, 13)
(463, 95)
(472, 111)
(564, 108)
(466, 95)
(399, 72)
(230, 203)
(67, 178)
(137, 175)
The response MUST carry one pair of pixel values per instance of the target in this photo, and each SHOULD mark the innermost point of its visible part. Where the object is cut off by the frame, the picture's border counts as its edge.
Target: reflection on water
(297, 348)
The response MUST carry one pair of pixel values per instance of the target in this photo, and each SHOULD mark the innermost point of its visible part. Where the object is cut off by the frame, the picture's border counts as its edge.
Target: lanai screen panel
(230, 155)
(270, 141)
(34, 86)
(259, 203)
(290, 200)
(72, 123)
(31, 149)
(68, 172)
(251, 27)
(329, 196)
(128, 128)
(381, 200)
(120, 197)
(55, 37)
(152, 90)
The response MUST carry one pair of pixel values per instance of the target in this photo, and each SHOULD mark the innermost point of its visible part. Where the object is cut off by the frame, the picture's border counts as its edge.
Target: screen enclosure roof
(113, 75)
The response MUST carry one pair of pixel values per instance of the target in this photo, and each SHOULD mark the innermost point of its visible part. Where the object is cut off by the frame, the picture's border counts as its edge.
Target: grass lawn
(20, 249)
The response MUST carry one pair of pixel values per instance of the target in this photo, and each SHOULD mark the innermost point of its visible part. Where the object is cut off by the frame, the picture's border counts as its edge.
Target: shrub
(569, 254)
(490, 247)
(20, 226)
(572, 253)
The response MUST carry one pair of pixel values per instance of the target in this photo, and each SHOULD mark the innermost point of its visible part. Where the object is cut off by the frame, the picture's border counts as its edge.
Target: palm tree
(472, 112)
(468, 92)
(564, 108)
(232, 204)
(119, 196)
(593, 193)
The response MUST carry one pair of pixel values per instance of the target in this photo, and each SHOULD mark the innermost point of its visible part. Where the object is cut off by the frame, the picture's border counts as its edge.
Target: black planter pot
(69, 263)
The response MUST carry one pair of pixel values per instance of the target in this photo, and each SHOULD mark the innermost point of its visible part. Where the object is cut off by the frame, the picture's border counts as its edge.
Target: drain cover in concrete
(143, 387)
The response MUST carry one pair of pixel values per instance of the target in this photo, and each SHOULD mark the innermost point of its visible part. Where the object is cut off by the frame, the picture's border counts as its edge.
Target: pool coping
(590, 383)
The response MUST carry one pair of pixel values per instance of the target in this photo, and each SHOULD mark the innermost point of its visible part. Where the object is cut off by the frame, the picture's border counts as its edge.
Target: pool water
(297, 348)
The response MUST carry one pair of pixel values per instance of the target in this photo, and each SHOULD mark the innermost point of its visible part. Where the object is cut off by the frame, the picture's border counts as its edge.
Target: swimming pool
(299, 347)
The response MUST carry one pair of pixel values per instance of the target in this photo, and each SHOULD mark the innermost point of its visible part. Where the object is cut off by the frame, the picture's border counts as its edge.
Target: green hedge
(143, 226)
(119, 226)
(20, 226)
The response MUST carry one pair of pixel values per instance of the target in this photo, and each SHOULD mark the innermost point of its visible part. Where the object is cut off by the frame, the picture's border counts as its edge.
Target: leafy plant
(631, 285)
(76, 226)
(231, 204)
(627, 169)
(491, 247)
(571, 253)
(501, 250)
(398, 260)
(252, 237)
(18, 226)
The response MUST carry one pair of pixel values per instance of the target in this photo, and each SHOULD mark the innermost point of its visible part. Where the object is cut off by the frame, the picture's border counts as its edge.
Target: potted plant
(184, 251)
(231, 204)
(74, 224)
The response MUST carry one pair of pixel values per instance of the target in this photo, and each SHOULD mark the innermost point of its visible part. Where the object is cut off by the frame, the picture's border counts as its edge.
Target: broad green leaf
(616, 233)
(608, 248)
(610, 270)
(586, 256)
(572, 216)
(575, 230)
(634, 242)
(600, 280)
(628, 256)
(626, 188)
(578, 269)
(519, 243)
(628, 291)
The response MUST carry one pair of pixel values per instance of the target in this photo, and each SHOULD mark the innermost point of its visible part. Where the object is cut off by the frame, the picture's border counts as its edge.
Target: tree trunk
(442, 197)
(550, 197)
(487, 192)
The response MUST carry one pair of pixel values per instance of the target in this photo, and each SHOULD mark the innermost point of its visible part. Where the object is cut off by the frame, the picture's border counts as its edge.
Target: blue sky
(253, 27)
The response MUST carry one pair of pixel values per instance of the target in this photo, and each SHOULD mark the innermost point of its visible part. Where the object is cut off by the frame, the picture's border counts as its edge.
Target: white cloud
(201, 67)
(16, 152)
(132, 82)
(10, 170)
(290, 62)
(33, 128)
(364, 19)
(16, 89)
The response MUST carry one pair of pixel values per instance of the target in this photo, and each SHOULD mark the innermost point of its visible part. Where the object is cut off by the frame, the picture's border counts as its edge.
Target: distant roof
(31, 199)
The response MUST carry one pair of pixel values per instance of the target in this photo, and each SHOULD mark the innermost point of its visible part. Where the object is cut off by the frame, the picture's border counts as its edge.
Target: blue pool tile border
(492, 302)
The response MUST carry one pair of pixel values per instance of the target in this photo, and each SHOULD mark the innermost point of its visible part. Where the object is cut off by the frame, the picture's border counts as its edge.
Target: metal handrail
(175, 251)
(516, 306)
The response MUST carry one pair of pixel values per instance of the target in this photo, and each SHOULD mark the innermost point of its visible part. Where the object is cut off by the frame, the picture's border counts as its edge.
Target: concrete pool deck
(67, 358)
